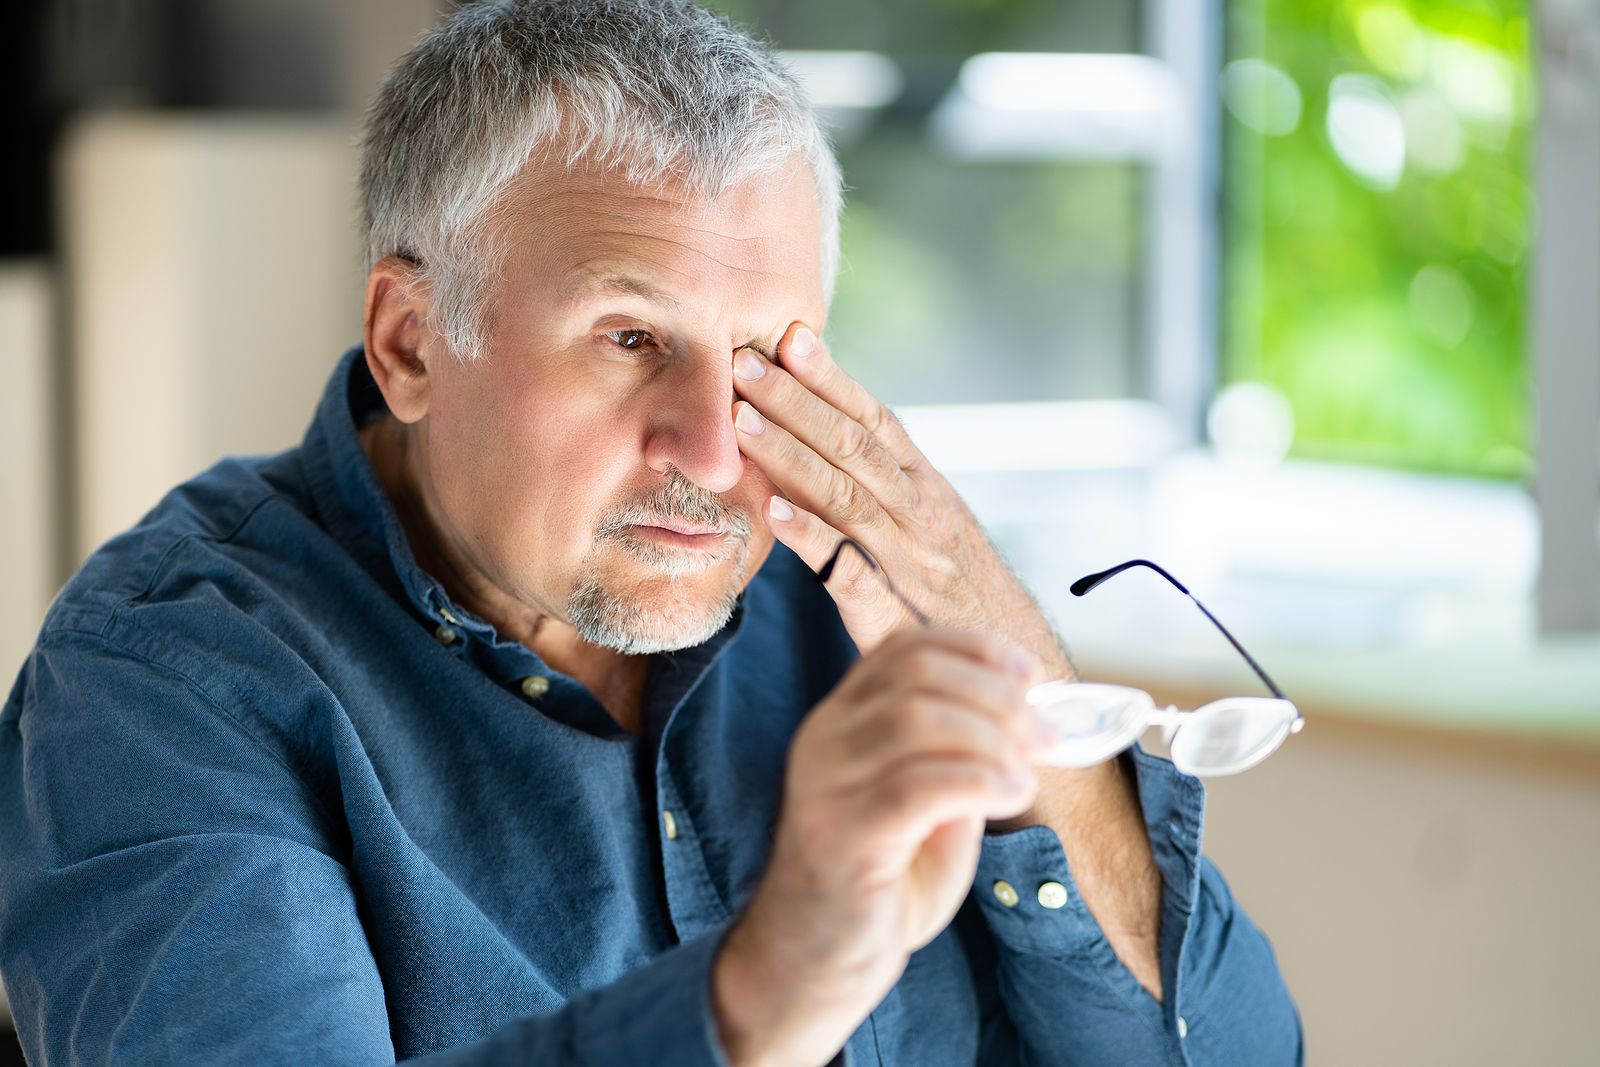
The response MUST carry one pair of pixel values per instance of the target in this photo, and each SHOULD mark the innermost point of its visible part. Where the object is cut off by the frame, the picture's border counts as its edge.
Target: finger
(830, 433)
(861, 592)
(913, 798)
(991, 677)
(991, 649)
(803, 355)
(805, 477)
(902, 726)
(997, 693)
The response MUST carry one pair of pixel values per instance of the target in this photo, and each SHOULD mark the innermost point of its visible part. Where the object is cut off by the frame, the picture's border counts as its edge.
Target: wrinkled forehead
(587, 231)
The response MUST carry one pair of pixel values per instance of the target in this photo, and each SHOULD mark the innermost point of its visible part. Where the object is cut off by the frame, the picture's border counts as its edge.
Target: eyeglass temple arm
(1088, 582)
(827, 571)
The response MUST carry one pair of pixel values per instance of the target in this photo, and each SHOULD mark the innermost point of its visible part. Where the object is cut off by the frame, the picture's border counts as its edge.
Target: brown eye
(630, 339)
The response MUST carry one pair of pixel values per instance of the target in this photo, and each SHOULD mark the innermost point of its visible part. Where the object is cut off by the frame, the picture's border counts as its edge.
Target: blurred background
(1299, 298)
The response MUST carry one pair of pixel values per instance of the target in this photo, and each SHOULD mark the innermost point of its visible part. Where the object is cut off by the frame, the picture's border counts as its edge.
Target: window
(1377, 226)
(976, 268)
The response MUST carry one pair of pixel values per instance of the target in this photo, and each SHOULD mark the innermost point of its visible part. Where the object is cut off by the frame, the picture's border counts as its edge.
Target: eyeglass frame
(1082, 587)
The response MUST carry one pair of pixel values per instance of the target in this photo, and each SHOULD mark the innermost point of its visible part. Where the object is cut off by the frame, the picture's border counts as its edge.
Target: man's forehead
(584, 236)
(770, 205)
(646, 253)
(760, 219)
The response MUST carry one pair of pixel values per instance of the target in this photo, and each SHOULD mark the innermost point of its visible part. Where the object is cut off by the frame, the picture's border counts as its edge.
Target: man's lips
(682, 527)
(697, 537)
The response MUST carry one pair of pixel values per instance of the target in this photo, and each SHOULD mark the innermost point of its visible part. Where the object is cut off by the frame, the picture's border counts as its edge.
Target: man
(490, 725)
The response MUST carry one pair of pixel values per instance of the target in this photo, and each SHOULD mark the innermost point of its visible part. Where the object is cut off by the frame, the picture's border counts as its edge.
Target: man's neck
(616, 680)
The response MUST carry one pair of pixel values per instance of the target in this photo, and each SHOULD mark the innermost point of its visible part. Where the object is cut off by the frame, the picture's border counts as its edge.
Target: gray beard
(639, 622)
(666, 622)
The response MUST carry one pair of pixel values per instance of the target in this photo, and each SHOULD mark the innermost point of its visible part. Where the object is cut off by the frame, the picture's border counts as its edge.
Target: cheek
(755, 489)
(523, 469)
(756, 486)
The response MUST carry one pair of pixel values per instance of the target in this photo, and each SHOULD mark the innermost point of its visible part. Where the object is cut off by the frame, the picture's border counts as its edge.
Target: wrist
(736, 1003)
(774, 1008)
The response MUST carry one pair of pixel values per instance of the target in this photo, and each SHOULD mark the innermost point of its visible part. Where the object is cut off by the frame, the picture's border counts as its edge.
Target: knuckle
(942, 570)
(906, 794)
(916, 501)
(853, 442)
(878, 418)
(924, 663)
(858, 579)
(997, 649)
(933, 516)
(882, 465)
(915, 715)
(871, 736)
(852, 504)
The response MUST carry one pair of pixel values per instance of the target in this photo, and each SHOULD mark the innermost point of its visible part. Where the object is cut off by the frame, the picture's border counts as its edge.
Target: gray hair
(651, 89)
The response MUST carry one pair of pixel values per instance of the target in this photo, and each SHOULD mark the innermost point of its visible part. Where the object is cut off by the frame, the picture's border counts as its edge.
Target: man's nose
(691, 427)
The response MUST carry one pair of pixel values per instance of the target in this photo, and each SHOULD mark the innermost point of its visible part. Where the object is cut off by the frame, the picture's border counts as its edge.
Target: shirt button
(1052, 895)
(1005, 893)
(1183, 1027)
(535, 686)
(444, 635)
(671, 825)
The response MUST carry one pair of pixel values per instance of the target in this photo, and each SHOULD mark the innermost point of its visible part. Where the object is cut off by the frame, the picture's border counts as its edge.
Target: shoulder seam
(166, 557)
(204, 694)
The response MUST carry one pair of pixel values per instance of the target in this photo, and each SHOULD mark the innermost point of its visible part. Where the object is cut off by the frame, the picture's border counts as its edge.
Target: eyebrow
(627, 283)
(624, 283)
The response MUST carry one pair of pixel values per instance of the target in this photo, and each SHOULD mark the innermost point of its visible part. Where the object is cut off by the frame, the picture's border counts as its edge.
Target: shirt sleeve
(1067, 998)
(171, 890)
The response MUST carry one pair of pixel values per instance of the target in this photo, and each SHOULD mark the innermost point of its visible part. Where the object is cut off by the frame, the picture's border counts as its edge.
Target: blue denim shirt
(268, 795)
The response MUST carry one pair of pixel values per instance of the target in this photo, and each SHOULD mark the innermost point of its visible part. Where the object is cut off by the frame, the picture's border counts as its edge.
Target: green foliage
(1385, 302)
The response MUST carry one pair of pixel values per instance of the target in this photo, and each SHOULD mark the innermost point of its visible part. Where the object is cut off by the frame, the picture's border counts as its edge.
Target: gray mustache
(680, 499)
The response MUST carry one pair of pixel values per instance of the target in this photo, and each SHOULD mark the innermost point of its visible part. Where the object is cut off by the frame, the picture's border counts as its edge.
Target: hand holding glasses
(1091, 722)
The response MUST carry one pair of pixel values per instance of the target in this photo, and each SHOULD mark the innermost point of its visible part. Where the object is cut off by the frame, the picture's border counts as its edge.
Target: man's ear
(397, 336)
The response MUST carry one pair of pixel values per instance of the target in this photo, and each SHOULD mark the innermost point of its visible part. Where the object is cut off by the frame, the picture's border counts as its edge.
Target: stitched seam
(166, 557)
(200, 691)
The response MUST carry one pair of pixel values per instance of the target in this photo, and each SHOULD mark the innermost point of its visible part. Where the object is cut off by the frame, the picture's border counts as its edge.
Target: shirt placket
(692, 898)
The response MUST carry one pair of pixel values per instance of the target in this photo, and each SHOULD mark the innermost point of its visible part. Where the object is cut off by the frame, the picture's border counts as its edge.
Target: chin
(662, 605)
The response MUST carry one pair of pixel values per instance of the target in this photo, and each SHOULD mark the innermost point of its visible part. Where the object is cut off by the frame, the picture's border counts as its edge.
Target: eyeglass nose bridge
(1171, 718)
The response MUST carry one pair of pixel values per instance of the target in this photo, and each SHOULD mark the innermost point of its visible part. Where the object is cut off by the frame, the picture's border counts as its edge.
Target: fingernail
(1020, 665)
(802, 344)
(749, 366)
(779, 509)
(748, 421)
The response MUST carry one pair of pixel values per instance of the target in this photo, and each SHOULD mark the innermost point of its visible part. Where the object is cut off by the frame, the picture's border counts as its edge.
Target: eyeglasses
(1092, 722)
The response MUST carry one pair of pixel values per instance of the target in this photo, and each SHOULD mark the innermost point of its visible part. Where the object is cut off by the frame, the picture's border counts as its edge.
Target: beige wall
(1431, 901)
(27, 334)
(214, 267)
(27, 305)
